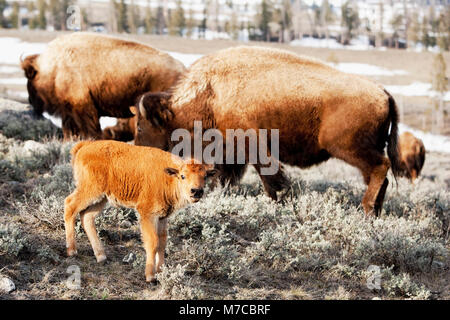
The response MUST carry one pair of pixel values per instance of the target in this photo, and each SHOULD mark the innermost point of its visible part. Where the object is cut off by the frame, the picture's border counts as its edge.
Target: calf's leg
(162, 235)
(150, 238)
(88, 222)
(76, 202)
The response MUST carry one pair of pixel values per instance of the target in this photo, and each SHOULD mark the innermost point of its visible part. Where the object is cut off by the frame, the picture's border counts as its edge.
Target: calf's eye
(183, 177)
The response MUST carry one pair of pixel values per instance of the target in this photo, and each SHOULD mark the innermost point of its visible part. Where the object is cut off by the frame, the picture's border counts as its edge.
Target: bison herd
(318, 111)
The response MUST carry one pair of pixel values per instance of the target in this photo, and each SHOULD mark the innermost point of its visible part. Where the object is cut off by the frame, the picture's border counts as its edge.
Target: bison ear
(155, 108)
(29, 66)
(171, 171)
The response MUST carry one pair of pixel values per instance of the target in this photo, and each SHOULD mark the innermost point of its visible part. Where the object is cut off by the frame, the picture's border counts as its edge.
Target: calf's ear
(171, 171)
(155, 108)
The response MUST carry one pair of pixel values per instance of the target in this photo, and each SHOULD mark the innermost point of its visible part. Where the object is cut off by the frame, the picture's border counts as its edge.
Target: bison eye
(139, 129)
(183, 177)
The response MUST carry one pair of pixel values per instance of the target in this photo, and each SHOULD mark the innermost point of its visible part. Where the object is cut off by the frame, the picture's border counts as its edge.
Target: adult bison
(412, 155)
(83, 76)
(320, 113)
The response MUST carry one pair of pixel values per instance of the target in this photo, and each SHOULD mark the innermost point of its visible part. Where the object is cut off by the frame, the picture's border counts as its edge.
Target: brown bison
(320, 113)
(82, 76)
(154, 182)
(412, 155)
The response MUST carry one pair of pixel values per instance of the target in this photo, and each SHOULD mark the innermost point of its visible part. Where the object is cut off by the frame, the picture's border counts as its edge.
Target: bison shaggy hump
(83, 76)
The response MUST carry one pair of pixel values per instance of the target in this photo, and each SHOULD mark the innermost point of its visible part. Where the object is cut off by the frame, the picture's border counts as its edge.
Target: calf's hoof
(71, 252)
(152, 281)
(101, 259)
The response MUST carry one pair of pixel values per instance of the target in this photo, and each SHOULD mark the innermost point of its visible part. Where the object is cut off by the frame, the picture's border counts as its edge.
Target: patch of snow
(367, 69)
(104, 121)
(360, 43)
(186, 58)
(14, 81)
(416, 89)
(9, 69)
(107, 122)
(14, 48)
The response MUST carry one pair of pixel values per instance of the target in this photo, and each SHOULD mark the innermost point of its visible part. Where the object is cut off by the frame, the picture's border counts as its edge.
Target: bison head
(192, 179)
(31, 71)
(153, 119)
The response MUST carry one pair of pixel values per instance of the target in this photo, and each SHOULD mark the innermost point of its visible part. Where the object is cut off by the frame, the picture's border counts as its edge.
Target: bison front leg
(150, 238)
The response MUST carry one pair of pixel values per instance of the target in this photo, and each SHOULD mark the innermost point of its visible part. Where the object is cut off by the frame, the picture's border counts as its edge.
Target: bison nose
(197, 193)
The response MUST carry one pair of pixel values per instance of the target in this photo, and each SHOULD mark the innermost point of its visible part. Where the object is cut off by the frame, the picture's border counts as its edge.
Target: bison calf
(412, 155)
(154, 182)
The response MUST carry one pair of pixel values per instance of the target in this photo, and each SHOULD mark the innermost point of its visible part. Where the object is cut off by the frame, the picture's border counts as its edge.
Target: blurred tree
(178, 20)
(112, 19)
(439, 83)
(233, 28)
(264, 18)
(160, 20)
(443, 40)
(350, 20)
(3, 5)
(425, 37)
(15, 23)
(56, 16)
(32, 21)
(132, 17)
(396, 24)
(414, 29)
(122, 21)
(379, 35)
(190, 23)
(84, 19)
(286, 21)
(327, 17)
(149, 20)
(41, 21)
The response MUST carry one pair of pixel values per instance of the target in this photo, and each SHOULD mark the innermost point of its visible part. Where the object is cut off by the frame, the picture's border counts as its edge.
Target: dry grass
(234, 244)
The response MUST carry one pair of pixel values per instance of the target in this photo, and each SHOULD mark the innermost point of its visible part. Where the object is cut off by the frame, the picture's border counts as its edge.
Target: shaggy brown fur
(83, 76)
(320, 112)
(152, 181)
(412, 155)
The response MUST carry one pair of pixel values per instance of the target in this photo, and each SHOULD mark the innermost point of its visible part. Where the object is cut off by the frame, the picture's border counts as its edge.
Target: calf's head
(191, 179)
(153, 118)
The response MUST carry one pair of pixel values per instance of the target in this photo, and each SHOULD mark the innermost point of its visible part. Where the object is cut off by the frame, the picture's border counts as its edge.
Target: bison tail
(29, 66)
(392, 146)
(77, 148)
